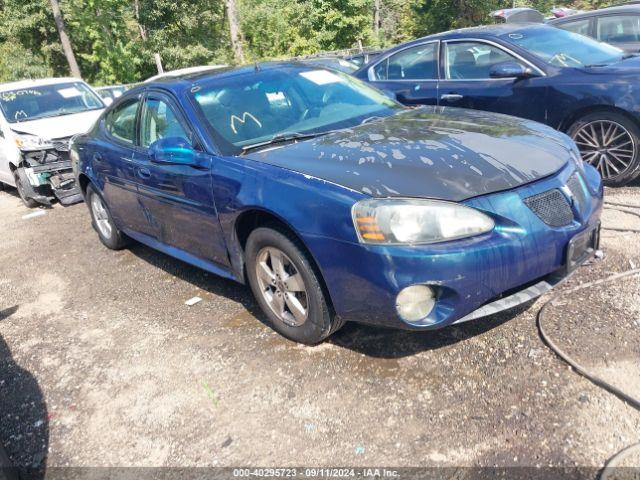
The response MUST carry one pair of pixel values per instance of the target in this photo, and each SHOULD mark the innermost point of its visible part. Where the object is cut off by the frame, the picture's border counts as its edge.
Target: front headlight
(32, 142)
(577, 158)
(409, 221)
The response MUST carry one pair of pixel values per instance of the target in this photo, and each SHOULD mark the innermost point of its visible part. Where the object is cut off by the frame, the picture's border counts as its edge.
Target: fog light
(415, 302)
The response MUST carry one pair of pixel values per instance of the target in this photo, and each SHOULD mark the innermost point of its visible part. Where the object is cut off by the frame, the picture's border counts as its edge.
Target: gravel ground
(103, 364)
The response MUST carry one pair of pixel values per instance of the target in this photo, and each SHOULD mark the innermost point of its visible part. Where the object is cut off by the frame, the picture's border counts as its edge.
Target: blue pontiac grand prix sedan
(573, 83)
(335, 203)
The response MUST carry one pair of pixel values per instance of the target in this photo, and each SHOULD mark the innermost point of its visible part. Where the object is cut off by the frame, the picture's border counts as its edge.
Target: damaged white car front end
(38, 118)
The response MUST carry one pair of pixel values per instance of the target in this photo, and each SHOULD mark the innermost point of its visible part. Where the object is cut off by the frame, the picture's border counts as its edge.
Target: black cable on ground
(616, 206)
(620, 204)
(619, 457)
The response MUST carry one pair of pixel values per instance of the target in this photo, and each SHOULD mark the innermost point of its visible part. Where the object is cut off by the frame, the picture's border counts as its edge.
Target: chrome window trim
(493, 44)
(373, 79)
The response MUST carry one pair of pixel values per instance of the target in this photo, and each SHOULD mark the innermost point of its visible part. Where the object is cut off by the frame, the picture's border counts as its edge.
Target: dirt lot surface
(103, 364)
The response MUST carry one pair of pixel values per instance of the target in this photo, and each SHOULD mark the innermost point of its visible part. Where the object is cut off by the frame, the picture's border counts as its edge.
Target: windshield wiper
(282, 138)
(624, 57)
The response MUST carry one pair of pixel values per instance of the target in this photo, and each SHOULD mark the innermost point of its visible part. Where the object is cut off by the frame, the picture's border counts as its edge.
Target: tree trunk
(234, 30)
(64, 39)
(136, 12)
(376, 18)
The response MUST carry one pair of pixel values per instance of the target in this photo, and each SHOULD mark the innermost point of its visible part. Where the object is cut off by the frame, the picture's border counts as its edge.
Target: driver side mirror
(511, 70)
(174, 151)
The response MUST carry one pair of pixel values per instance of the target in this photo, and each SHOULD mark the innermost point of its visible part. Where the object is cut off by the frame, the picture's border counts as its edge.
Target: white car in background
(37, 120)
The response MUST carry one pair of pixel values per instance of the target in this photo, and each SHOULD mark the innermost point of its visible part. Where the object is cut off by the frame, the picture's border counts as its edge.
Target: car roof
(185, 71)
(630, 8)
(483, 31)
(187, 80)
(36, 83)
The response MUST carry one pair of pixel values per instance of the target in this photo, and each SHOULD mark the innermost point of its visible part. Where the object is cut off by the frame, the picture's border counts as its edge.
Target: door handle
(451, 97)
(97, 157)
(144, 172)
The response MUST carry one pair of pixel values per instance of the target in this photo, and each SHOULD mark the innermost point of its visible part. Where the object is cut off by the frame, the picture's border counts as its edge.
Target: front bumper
(520, 259)
(47, 174)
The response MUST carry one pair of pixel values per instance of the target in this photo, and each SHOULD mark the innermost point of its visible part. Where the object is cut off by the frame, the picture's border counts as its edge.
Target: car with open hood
(587, 89)
(37, 120)
(334, 202)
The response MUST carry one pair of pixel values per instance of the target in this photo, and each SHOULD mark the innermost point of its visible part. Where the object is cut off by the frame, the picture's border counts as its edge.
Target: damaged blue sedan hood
(434, 152)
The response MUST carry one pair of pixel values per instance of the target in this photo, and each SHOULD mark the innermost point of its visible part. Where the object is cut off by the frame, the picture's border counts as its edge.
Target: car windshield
(564, 49)
(25, 104)
(245, 110)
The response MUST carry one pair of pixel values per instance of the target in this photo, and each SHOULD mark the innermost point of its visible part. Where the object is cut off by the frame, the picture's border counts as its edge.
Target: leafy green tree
(18, 63)
(184, 32)
(29, 26)
(104, 34)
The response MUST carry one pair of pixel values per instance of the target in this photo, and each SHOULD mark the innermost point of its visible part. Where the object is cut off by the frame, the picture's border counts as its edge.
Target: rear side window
(619, 28)
(415, 63)
(121, 122)
(578, 26)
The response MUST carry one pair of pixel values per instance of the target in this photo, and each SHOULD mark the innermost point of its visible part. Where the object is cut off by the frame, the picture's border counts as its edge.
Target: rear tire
(28, 201)
(611, 143)
(102, 221)
(287, 287)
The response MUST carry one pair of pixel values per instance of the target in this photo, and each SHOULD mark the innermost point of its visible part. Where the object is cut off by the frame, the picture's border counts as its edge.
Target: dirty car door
(112, 162)
(177, 198)
(467, 83)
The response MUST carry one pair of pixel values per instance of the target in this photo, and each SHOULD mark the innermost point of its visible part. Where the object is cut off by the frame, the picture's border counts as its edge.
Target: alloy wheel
(282, 286)
(101, 216)
(606, 145)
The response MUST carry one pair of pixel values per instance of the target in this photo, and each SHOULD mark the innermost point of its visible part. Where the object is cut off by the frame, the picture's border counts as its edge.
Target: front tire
(102, 221)
(611, 143)
(19, 178)
(287, 287)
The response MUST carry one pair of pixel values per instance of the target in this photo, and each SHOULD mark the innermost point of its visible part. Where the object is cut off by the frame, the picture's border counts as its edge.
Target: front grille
(577, 190)
(552, 207)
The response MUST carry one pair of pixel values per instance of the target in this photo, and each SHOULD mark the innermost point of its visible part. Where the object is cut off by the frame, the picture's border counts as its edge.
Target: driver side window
(473, 60)
(158, 121)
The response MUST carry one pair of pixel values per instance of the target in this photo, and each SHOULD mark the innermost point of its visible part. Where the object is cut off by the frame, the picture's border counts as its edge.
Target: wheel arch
(83, 181)
(583, 111)
(254, 218)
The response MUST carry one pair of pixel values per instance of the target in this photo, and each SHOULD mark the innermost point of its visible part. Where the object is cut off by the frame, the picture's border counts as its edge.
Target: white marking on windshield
(243, 120)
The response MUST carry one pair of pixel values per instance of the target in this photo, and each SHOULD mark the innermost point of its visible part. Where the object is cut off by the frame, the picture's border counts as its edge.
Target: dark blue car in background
(577, 85)
(335, 202)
